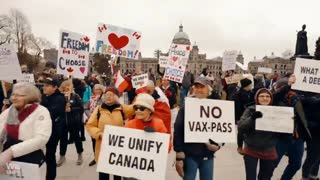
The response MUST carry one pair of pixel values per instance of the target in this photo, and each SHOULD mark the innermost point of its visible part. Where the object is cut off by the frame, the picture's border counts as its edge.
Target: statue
(302, 42)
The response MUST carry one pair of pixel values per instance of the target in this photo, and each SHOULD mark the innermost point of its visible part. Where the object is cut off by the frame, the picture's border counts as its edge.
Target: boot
(61, 161)
(92, 163)
(80, 159)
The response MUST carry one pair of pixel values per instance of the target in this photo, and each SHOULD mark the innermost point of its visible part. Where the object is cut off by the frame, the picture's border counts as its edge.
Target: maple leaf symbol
(69, 69)
(86, 39)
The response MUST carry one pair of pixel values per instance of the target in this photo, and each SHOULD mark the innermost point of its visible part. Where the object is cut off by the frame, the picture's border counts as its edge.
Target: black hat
(50, 81)
(202, 80)
(245, 82)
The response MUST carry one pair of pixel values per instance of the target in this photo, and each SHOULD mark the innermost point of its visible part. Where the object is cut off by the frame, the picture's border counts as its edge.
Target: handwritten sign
(178, 59)
(73, 54)
(209, 119)
(134, 153)
(275, 119)
(307, 75)
(264, 70)
(234, 79)
(163, 61)
(229, 60)
(9, 63)
(139, 81)
(118, 41)
(27, 78)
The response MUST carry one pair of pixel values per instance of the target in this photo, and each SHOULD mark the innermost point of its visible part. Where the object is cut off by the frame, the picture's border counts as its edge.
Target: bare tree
(36, 45)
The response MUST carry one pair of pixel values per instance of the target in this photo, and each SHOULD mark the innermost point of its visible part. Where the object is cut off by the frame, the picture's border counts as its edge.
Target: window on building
(284, 66)
(134, 65)
(127, 65)
(276, 66)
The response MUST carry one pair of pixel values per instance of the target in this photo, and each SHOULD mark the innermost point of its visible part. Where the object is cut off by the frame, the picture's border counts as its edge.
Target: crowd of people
(57, 111)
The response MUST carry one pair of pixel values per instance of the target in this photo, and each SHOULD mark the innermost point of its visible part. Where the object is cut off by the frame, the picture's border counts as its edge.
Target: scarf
(14, 120)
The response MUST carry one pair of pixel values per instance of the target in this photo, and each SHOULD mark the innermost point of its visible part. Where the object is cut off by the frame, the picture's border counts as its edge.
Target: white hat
(145, 100)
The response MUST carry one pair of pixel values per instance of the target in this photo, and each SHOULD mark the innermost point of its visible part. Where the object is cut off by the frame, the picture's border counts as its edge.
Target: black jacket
(55, 104)
(242, 99)
(75, 116)
(256, 140)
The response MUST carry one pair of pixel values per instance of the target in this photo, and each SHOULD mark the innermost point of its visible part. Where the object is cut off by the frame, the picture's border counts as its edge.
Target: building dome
(181, 37)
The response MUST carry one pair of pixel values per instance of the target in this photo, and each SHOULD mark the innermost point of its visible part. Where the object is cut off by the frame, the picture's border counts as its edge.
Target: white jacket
(34, 131)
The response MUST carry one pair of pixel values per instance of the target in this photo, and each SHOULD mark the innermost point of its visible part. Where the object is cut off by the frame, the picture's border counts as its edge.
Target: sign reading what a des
(19, 170)
(209, 119)
(134, 153)
(307, 75)
(275, 119)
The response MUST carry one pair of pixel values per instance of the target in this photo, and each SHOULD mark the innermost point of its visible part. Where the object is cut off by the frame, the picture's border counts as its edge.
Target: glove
(5, 157)
(180, 156)
(149, 129)
(257, 115)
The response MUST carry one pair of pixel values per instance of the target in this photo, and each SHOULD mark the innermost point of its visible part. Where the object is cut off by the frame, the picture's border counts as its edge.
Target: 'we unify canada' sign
(118, 41)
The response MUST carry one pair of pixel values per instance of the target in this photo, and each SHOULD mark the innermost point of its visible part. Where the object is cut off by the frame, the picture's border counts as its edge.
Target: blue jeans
(183, 94)
(294, 149)
(192, 164)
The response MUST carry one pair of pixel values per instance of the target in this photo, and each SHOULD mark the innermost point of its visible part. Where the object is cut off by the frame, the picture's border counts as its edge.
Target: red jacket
(162, 111)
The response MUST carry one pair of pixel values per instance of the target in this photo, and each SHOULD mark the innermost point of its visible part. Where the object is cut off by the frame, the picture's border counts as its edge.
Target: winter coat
(56, 104)
(87, 95)
(242, 99)
(74, 117)
(171, 95)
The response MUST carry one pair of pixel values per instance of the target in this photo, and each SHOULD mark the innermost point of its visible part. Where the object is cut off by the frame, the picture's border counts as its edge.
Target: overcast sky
(256, 27)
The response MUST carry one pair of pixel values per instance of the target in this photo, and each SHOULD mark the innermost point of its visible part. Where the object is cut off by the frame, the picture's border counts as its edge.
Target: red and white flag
(120, 82)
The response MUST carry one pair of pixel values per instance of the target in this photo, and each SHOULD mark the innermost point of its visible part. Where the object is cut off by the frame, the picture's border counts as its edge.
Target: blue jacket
(87, 94)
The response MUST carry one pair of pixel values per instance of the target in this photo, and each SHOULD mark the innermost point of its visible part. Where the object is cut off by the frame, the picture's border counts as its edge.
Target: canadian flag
(120, 83)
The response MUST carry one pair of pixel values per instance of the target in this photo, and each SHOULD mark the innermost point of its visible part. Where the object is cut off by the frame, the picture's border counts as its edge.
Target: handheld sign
(307, 75)
(73, 55)
(27, 78)
(264, 70)
(209, 119)
(229, 60)
(178, 59)
(275, 119)
(134, 153)
(139, 81)
(20, 170)
(163, 61)
(234, 79)
(118, 41)
(9, 63)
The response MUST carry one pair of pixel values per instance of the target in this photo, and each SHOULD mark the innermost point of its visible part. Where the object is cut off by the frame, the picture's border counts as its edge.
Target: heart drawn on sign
(118, 42)
(175, 58)
(188, 48)
(70, 69)
(82, 69)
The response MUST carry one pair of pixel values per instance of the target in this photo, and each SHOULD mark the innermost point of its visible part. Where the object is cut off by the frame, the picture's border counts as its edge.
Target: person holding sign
(193, 156)
(25, 127)
(109, 113)
(259, 146)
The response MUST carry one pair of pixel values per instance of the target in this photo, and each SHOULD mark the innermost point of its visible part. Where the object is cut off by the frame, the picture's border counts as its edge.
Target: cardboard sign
(73, 54)
(275, 119)
(242, 66)
(229, 60)
(118, 41)
(20, 170)
(234, 79)
(209, 119)
(139, 81)
(134, 153)
(163, 61)
(307, 75)
(27, 78)
(264, 70)
(9, 63)
(178, 59)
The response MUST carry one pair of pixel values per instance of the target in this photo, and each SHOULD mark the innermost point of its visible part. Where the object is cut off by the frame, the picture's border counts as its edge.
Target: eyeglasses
(264, 96)
(140, 108)
(18, 95)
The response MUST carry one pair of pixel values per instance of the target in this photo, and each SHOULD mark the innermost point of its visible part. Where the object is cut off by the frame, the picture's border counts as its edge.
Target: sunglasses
(140, 108)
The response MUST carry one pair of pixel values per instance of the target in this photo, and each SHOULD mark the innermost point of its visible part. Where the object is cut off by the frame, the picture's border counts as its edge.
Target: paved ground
(228, 166)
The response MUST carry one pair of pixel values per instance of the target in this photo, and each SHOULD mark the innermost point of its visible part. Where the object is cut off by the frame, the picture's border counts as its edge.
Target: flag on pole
(120, 82)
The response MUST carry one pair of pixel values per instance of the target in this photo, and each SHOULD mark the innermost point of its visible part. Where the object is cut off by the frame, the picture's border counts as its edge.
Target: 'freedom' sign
(307, 75)
(134, 153)
(209, 119)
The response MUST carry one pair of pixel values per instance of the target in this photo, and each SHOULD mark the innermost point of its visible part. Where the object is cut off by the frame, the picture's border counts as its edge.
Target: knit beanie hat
(114, 90)
(145, 100)
(260, 91)
(245, 82)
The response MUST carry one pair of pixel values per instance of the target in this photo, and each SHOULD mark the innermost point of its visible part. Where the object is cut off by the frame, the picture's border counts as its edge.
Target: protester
(168, 91)
(230, 89)
(86, 103)
(186, 84)
(259, 146)
(73, 122)
(193, 156)
(242, 99)
(55, 102)
(109, 113)
(95, 100)
(25, 127)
